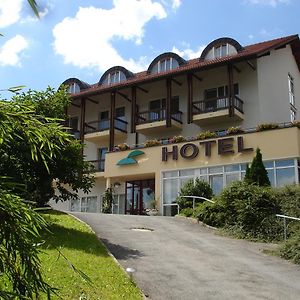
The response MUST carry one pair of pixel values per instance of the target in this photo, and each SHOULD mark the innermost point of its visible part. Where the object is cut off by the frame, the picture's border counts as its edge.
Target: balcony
(98, 131)
(217, 110)
(154, 120)
(98, 167)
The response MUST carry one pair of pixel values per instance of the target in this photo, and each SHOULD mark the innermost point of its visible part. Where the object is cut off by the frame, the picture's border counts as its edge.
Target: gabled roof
(198, 64)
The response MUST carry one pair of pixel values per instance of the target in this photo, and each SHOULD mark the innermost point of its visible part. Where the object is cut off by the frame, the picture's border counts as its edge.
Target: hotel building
(164, 115)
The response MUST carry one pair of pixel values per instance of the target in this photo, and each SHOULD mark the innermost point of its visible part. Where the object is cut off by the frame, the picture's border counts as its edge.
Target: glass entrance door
(139, 195)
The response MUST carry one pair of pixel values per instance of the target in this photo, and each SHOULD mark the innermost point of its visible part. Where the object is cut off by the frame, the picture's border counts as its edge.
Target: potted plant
(178, 139)
(123, 147)
(152, 211)
(152, 143)
(234, 130)
(206, 135)
(266, 126)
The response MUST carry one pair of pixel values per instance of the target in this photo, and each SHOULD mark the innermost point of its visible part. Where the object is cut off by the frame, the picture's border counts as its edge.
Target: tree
(257, 173)
(20, 275)
(65, 166)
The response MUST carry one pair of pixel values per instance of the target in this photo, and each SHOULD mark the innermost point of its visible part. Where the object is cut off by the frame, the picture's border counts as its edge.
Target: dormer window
(164, 65)
(114, 77)
(74, 88)
(221, 51)
(220, 48)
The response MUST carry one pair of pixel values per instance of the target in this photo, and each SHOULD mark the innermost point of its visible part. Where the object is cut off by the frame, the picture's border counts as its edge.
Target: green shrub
(210, 214)
(198, 188)
(247, 208)
(187, 212)
(291, 249)
(257, 173)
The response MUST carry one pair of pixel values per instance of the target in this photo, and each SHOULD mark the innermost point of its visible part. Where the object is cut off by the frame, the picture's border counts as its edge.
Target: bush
(247, 209)
(291, 249)
(210, 214)
(267, 126)
(198, 188)
(257, 173)
(206, 135)
(234, 130)
(187, 212)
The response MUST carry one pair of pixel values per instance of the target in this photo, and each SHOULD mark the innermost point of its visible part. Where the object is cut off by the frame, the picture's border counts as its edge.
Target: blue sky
(84, 38)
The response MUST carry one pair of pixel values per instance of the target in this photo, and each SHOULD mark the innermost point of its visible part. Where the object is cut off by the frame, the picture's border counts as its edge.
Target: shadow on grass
(71, 238)
(121, 252)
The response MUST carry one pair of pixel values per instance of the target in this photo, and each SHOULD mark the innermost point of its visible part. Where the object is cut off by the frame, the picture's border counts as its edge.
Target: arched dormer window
(74, 88)
(220, 48)
(165, 62)
(75, 85)
(115, 75)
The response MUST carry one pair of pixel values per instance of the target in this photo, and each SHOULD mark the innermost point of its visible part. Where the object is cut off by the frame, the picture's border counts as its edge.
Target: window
(85, 204)
(217, 98)
(280, 172)
(114, 77)
(221, 51)
(73, 88)
(164, 65)
(104, 120)
(73, 123)
(120, 121)
(101, 153)
(293, 109)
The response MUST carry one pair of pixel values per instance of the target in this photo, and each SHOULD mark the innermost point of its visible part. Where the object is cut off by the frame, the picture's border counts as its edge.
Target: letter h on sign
(165, 153)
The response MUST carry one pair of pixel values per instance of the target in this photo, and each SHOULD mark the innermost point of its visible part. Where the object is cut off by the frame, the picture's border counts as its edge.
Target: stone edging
(195, 221)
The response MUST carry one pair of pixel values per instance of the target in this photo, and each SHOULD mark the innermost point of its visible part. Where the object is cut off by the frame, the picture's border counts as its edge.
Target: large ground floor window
(281, 172)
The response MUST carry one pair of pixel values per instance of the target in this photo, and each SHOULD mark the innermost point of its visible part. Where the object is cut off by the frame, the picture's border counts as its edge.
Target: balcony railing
(102, 125)
(98, 164)
(216, 104)
(155, 115)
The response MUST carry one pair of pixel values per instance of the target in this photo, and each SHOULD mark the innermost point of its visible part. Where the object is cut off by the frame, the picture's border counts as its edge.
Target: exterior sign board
(191, 150)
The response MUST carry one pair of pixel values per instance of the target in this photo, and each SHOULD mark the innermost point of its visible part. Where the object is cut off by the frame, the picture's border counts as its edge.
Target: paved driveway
(182, 260)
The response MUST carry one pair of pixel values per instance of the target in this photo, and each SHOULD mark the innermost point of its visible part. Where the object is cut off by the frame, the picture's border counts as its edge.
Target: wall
(274, 144)
(273, 86)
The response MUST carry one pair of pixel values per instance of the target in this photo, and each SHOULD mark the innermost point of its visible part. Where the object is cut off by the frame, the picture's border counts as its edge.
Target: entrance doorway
(139, 195)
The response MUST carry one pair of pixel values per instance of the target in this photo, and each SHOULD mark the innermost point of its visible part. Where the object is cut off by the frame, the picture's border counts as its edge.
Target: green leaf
(33, 5)
(15, 89)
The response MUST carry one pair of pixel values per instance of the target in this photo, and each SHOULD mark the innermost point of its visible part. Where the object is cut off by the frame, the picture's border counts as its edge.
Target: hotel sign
(191, 150)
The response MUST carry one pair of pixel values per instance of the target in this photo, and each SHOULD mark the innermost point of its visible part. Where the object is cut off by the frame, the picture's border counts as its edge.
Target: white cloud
(86, 40)
(176, 4)
(11, 50)
(10, 12)
(189, 53)
(272, 3)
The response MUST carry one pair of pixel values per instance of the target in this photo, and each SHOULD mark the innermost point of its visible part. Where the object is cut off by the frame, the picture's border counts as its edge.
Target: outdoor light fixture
(117, 185)
(130, 271)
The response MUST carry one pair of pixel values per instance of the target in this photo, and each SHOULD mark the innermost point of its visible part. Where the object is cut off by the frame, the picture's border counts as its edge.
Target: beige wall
(273, 89)
(274, 144)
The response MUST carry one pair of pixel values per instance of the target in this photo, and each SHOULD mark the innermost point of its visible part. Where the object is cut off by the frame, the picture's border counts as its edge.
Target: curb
(195, 221)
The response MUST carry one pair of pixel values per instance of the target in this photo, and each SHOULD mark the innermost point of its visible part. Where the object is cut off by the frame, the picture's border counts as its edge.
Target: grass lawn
(82, 248)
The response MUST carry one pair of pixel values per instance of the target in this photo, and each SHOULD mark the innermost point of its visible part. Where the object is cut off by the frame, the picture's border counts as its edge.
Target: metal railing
(155, 115)
(98, 164)
(102, 125)
(284, 223)
(197, 197)
(216, 104)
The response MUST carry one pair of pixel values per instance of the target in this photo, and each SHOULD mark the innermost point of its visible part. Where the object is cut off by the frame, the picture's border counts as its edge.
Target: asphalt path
(181, 260)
